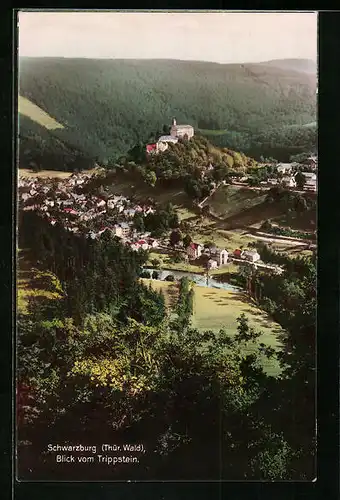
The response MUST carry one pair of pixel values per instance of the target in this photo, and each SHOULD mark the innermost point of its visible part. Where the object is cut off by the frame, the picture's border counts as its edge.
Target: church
(181, 131)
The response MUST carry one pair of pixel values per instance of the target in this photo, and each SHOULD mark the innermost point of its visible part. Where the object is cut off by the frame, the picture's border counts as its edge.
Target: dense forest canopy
(107, 106)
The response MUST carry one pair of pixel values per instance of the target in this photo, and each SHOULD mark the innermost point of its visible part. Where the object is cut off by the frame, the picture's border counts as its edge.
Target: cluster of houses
(176, 132)
(289, 171)
(59, 199)
(220, 256)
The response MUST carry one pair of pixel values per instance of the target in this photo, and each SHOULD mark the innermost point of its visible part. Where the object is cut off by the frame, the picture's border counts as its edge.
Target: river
(199, 279)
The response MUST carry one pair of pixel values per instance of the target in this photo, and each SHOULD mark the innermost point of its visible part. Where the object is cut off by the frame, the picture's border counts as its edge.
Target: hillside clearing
(44, 174)
(235, 201)
(34, 285)
(38, 115)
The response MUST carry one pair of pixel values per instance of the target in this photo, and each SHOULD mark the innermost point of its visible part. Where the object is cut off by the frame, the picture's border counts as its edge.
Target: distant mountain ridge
(302, 65)
(107, 106)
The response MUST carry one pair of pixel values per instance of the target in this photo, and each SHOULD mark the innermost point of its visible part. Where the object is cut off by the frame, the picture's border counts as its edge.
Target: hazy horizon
(165, 59)
(217, 37)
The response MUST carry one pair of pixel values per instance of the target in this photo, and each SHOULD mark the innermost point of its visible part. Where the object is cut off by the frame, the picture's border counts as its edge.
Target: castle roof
(182, 126)
(167, 138)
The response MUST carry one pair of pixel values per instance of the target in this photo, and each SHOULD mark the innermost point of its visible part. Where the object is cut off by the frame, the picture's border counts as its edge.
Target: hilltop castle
(176, 132)
(183, 131)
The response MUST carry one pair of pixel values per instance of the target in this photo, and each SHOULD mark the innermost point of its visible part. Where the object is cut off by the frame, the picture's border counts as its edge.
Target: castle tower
(174, 122)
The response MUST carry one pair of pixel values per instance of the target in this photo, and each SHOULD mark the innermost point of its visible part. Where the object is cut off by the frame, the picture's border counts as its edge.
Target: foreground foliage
(102, 363)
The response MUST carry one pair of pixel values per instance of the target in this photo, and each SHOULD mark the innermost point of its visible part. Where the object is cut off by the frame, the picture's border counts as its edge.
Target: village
(82, 212)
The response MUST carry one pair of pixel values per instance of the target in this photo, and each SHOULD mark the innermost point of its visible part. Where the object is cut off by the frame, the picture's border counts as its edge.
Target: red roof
(141, 242)
(150, 147)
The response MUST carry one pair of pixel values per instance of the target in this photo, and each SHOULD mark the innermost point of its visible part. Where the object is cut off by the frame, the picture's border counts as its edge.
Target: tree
(254, 181)
(175, 238)
(156, 263)
(150, 178)
(138, 222)
(300, 180)
(206, 210)
(187, 240)
(177, 257)
(155, 275)
(266, 226)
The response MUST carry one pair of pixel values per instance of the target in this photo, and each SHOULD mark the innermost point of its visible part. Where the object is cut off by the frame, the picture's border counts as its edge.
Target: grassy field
(215, 309)
(38, 115)
(34, 286)
(206, 131)
(44, 174)
(165, 262)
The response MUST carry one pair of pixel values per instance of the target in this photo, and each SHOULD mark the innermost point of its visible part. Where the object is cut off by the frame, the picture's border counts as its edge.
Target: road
(261, 188)
(259, 264)
(271, 239)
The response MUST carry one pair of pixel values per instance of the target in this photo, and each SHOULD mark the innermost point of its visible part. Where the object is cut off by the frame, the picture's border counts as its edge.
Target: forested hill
(107, 106)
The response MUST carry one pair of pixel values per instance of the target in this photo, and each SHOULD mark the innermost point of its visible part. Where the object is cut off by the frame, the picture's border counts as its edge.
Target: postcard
(167, 181)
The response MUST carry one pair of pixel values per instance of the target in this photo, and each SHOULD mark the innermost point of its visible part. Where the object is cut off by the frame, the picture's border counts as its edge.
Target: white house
(129, 212)
(153, 243)
(310, 185)
(309, 176)
(289, 181)
(194, 251)
(212, 264)
(135, 246)
(125, 229)
(163, 142)
(117, 231)
(251, 255)
(284, 168)
(312, 161)
(143, 244)
(222, 256)
(111, 204)
(148, 210)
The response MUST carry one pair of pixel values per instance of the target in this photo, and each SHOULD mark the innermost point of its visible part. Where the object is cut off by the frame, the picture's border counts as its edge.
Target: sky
(222, 37)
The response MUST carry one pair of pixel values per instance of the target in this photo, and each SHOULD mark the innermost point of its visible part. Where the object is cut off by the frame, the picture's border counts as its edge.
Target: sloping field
(229, 201)
(38, 115)
(238, 207)
(216, 309)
